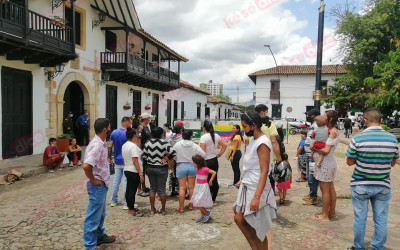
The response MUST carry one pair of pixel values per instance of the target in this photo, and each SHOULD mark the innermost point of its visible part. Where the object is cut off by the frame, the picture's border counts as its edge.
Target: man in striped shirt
(374, 151)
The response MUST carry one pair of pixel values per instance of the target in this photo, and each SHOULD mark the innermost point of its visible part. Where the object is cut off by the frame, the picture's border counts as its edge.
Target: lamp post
(277, 73)
(317, 101)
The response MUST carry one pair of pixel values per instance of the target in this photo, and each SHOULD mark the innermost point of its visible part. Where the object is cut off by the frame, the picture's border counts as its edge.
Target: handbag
(228, 154)
(112, 168)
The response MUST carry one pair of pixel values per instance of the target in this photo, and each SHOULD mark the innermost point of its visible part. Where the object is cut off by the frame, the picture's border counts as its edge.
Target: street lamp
(102, 18)
(277, 72)
(317, 101)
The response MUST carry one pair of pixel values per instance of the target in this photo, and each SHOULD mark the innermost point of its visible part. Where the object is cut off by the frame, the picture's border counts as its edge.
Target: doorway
(111, 105)
(154, 108)
(73, 102)
(17, 112)
(276, 111)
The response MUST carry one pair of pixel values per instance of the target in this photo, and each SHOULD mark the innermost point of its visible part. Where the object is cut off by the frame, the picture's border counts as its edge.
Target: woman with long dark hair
(325, 174)
(255, 206)
(235, 153)
(209, 142)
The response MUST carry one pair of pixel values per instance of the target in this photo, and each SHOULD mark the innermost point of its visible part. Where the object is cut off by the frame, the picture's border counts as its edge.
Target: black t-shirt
(144, 133)
(347, 122)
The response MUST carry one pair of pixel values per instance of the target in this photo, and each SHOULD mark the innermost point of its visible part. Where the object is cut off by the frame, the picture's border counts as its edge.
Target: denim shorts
(184, 169)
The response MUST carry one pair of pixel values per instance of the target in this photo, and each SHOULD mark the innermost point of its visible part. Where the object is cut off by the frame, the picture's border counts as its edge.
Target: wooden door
(17, 123)
(111, 105)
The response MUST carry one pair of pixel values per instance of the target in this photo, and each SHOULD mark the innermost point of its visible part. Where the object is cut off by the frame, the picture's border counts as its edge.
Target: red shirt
(49, 151)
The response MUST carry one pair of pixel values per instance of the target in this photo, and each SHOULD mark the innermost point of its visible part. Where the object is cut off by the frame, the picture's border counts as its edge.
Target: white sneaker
(51, 171)
(136, 205)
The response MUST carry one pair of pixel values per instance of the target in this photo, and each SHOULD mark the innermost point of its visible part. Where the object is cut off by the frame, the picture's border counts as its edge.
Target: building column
(51, 115)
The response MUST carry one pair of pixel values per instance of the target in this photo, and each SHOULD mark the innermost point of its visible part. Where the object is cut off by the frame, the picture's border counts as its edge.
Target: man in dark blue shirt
(82, 123)
(117, 140)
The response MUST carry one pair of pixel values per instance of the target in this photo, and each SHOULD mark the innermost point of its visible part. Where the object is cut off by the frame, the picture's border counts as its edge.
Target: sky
(224, 39)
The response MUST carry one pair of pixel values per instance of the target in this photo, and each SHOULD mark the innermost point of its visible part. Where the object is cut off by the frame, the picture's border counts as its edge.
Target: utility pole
(317, 101)
(237, 94)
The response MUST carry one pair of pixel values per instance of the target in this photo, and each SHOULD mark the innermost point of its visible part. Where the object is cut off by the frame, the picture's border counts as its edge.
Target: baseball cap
(180, 123)
(313, 112)
(145, 115)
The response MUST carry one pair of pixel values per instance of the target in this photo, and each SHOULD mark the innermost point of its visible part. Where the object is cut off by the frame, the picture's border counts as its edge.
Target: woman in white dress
(255, 207)
(326, 173)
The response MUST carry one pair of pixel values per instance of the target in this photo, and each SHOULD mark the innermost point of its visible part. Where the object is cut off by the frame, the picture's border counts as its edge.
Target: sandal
(189, 206)
(281, 201)
(137, 215)
(179, 210)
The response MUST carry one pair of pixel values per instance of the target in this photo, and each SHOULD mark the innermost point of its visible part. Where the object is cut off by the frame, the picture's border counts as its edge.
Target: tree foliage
(224, 97)
(369, 42)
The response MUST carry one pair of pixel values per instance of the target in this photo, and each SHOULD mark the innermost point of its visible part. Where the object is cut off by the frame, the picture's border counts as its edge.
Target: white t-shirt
(211, 148)
(251, 163)
(129, 150)
(352, 118)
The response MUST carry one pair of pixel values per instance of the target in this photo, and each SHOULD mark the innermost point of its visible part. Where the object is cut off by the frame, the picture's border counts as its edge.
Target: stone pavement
(47, 212)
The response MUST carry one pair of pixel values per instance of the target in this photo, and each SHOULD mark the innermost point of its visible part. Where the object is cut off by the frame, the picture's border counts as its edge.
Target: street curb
(347, 143)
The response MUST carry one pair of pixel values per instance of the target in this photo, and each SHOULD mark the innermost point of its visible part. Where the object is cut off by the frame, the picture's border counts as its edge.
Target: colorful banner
(224, 131)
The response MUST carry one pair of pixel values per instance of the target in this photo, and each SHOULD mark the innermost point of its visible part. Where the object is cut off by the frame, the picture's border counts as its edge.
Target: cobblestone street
(47, 212)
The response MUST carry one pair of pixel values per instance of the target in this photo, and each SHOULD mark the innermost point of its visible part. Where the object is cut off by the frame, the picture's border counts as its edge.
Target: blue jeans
(184, 169)
(312, 182)
(380, 197)
(95, 214)
(119, 173)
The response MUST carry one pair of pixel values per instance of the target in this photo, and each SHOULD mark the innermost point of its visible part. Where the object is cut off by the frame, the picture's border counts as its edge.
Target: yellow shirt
(232, 145)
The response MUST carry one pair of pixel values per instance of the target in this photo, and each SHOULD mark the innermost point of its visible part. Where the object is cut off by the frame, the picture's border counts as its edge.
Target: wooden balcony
(32, 37)
(134, 70)
(274, 94)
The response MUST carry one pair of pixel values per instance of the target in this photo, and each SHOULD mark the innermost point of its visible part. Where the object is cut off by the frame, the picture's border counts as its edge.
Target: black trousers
(132, 183)
(83, 135)
(213, 165)
(70, 155)
(235, 166)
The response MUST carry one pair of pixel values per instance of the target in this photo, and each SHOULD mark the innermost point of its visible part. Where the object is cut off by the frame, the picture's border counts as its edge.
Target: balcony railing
(274, 94)
(121, 61)
(19, 23)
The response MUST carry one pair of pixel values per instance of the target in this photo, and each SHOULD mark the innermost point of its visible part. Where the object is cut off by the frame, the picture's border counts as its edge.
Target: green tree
(386, 84)
(366, 40)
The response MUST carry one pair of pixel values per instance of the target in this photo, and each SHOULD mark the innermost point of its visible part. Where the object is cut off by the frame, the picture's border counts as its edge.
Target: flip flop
(190, 207)
(179, 210)
(137, 215)
(317, 218)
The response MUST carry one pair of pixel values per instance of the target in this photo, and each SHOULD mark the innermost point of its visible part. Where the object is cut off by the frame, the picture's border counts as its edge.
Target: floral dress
(327, 171)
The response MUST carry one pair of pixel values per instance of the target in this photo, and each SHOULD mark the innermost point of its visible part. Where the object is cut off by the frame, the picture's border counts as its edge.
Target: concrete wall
(296, 92)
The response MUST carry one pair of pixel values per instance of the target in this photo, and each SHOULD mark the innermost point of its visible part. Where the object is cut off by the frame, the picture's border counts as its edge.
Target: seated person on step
(52, 157)
(74, 153)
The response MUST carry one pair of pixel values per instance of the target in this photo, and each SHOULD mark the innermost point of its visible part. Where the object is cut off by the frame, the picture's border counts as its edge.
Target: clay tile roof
(236, 108)
(214, 99)
(155, 40)
(299, 70)
(188, 85)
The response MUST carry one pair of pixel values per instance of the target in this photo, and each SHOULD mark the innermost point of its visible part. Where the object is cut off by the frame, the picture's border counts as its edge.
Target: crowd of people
(170, 153)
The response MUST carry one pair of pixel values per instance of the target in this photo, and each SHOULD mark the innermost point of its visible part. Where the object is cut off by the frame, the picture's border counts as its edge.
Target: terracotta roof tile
(188, 85)
(299, 70)
(214, 99)
(155, 40)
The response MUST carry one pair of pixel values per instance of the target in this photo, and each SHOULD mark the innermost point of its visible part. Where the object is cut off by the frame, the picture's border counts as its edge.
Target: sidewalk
(29, 165)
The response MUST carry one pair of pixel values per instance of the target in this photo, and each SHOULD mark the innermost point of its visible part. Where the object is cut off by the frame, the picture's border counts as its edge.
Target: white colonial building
(68, 56)
(288, 91)
(218, 109)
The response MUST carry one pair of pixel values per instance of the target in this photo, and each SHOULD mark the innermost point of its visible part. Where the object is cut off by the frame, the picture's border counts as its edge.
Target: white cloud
(224, 39)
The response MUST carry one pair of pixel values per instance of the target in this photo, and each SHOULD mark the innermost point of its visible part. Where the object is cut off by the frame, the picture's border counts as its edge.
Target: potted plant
(127, 106)
(63, 142)
(59, 22)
